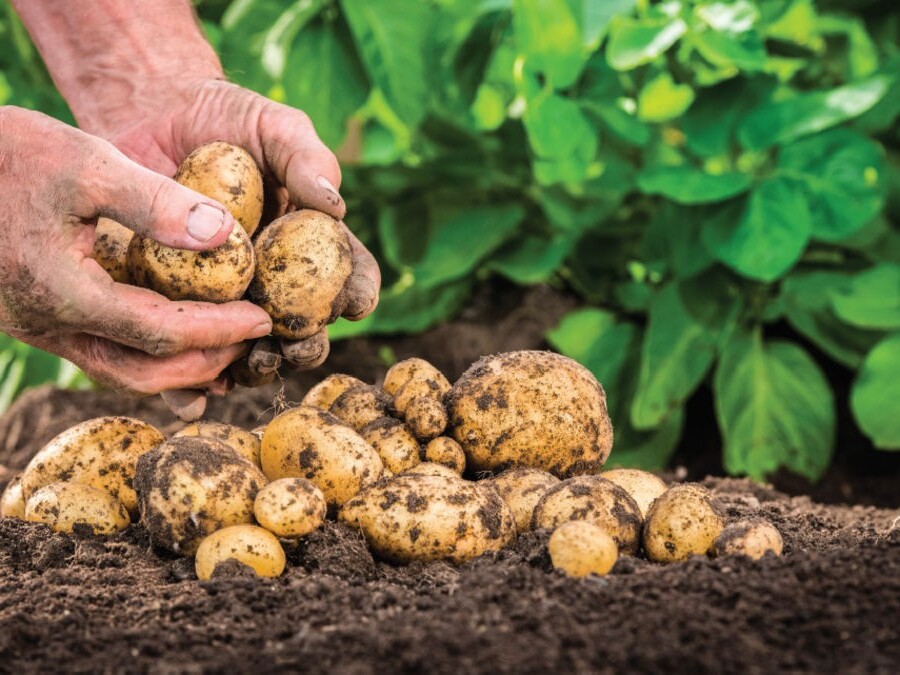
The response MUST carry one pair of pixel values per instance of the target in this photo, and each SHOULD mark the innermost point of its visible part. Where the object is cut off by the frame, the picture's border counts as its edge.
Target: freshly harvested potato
(415, 517)
(432, 469)
(229, 175)
(426, 417)
(444, 450)
(245, 442)
(191, 486)
(111, 248)
(250, 545)
(684, 521)
(12, 501)
(101, 452)
(64, 505)
(752, 537)
(643, 486)
(310, 443)
(394, 443)
(325, 392)
(580, 548)
(416, 387)
(530, 408)
(596, 500)
(303, 261)
(408, 369)
(522, 487)
(360, 405)
(290, 507)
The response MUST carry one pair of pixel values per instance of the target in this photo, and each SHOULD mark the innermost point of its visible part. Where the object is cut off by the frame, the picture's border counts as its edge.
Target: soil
(81, 603)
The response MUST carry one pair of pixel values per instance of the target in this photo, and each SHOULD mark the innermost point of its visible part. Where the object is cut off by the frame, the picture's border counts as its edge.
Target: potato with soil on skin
(250, 545)
(643, 486)
(752, 537)
(595, 500)
(426, 418)
(360, 405)
(415, 517)
(432, 469)
(684, 521)
(310, 443)
(323, 394)
(189, 487)
(101, 452)
(64, 505)
(12, 501)
(579, 548)
(394, 443)
(530, 408)
(303, 261)
(522, 487)
(290, 507)
(111, 249)
(444, 450)
(409, 369)
(244, 442)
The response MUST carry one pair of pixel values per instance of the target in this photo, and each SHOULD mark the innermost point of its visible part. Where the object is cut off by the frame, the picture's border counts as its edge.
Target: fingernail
(331, 193)
(204, 221)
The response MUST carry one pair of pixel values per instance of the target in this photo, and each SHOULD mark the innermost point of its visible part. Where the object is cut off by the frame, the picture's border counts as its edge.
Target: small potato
(325, 392)
(394, 443)
(101, 452)
(191, 486)
(310, 443)
(12, 501)
(415, 517)
(432, 469)
(360, 405)
(64, 505)
(416, 387)
(244, 442)
(426, 418)
(290, 507)
(595, 500)
(684, 521)
(111, 249)
(404, 371)
(580, 548)
(643, 486)
(753, 537)
(249, 545)
(522, 487)
(444, 450)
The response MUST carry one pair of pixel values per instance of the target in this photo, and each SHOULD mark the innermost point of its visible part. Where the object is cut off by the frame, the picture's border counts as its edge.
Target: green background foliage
(716, 179)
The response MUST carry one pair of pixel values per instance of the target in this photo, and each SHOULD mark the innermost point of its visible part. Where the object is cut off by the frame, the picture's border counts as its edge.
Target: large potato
(413, 517)
(530, 408)
(643, 486)
(101, 452)
(12, 501)
(596, 500)
(433, 469)
(684, 521)
(246, 443)
(64, 505)
(252, 546)
(522, 487)
(290, 507)
(111, 248)
(309, 443)
(189, 487)
(303, 261)
(752, 537)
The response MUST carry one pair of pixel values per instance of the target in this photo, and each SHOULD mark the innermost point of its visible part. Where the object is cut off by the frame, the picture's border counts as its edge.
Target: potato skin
(102, 452)
(426, 417)
(323, 394)
(12, 501)
(530, 408)
(579, 548)
(444, 450)
(360, 405)
(432, 469)
(290, 507)
(684, 521)
(408, 369)
(64, 505)
(752, 537)
(189, 487)
(522, 487)
(303, 261)
(246, 443)
(643, 486)
(415, 517)
(310, 443)
(111, 249)
(413, 389)
(248, 544)
(595, 500)
(394, 443)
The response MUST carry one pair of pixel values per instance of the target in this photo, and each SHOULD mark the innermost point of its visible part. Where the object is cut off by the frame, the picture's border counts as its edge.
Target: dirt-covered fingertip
(265, 356)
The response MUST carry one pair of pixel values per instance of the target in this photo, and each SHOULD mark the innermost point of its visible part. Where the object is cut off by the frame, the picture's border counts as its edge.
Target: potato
(444, 450)
(752, 537)
(250, 545)
(426, 418)
(310, 443)
(580, 548)
(404, 371)
(101, 452)
(416, 387)
(189, 487)
(415, 517)
(246, 443)
(596, 500)
(303, 261)
(394, 443)
(325, 392)
(684, 521)
(530, 408)
(229, 175)
(12, 501)
(111, 249)
(360, 405)
(290, 507)
(643, 486)
(522, 487)
(432, 469)
(64, 505)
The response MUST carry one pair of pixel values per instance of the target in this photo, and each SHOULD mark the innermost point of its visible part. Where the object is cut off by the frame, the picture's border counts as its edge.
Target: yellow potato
(522, 487)
(290, 507)
(394, 443)
(684, 521)
(432, 469)
(101, 452)
(752, 537)
(530, 408)
(595, 500)
(189, 487)
(111, 248)
(426, 417)
(414, 388)
(64, 505)
(252, 546)
(310, 443)
(415, 517)
(404, 371)
(360, 405)
(580, 548)
(12, 501)
(245, 442)
(444, 450)
(325, 392)
(643, 486)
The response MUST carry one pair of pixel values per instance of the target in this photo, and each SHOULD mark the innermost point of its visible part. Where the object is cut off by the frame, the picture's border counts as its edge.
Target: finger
(361, 289)
(244, 376)
(309, 353)
(265, 356)
(187, 404)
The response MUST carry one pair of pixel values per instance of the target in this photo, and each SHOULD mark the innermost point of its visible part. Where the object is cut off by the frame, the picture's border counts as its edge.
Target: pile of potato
(530, 429)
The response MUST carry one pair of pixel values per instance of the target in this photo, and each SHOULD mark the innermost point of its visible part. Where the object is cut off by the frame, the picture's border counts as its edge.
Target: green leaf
(634, 42)
(729, 17)
(689, 185)
(280, 37)
(870, 299)
(674, 238)
(556, 127)
(875, 394)
(531, 259)
(597, 16)
(662, 99)
(767, 238)
(774, 407)
(744, 51)
(549, 35)
(595, 339)
(649, 450)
